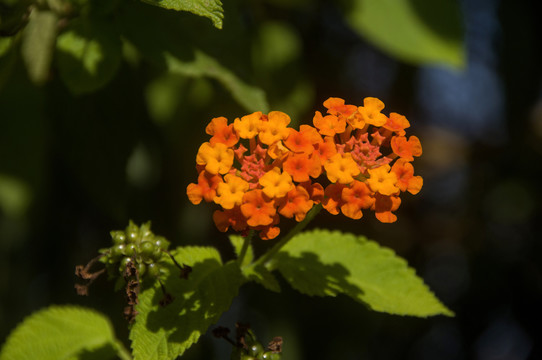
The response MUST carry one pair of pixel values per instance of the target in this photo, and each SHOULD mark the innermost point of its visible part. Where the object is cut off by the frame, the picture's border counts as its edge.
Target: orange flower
(296, 203)
(222, 132)
(370, 112)
(329, 125)
(204, 189)
(269, 232)
(278, 151)
(257, 209)
(355, 198)
(299, 142)
(382, 180)
(326, 149)
(275, 184)
(301, 166)
(232, 217)
(406, 179)
(383, 207)
(315, 190)
(217, 158)
(406, 149)
(230, 192)
(336, 106)
(275, 129)
(333, 198)
(278, 172)
(341, 168)
(249, 125)
(397, 123)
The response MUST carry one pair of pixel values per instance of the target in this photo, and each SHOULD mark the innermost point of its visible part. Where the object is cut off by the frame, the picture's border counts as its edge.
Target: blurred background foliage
(103, 105)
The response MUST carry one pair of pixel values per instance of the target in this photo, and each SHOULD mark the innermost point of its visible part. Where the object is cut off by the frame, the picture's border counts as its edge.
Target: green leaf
(325, 263)
(211, 9)
(251, 272)
(416, 31)
(89, 55)
(62, 332)
(251, 97)
(199, 301)
(38, 43)
(169, 43)
(259, 274)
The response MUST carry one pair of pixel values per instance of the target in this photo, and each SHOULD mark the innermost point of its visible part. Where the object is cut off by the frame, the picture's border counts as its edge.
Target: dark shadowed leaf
(88, 55)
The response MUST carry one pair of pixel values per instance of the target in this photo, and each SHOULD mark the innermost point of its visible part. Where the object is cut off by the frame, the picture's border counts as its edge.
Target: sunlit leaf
(416, 31)
(211, 9)
(199, 301)
(256, 273)
(61, 332)
(325, 263)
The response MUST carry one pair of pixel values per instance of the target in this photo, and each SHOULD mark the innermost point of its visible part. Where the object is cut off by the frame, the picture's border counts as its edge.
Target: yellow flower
(370, 111)
(275, 129)
(382, 180)
(275, 184)
(249, 125)
(217, 158)
(230, 192)
(341, 168)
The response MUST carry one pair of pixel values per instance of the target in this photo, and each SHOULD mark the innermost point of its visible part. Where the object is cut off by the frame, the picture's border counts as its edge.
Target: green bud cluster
(137, 245)
(253, 350)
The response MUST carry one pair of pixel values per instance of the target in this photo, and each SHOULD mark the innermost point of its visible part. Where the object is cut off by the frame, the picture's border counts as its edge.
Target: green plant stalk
(266, 258)
(122, 353)
(244, 249)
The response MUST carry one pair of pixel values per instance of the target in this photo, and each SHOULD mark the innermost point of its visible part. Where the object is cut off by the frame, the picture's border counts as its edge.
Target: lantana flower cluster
(353, 159)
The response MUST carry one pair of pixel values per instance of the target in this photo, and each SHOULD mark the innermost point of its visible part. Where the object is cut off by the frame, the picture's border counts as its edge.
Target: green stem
(122, 352)
(265, 258)
(244, 249)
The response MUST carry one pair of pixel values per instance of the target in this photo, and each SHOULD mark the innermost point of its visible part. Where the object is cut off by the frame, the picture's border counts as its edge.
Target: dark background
(72, 168)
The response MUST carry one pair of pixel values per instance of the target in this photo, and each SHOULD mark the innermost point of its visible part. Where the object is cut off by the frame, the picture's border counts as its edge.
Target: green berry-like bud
(132, 236)
(161, 242)
(130, 250)
(255, 349)
(153, 270)
(123, 263)
(268, 355)
(157, 254)
(141, 269)
(146, 248)
(118, 237)
(117, 251)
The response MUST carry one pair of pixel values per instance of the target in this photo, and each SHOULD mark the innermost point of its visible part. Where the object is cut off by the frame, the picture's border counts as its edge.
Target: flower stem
(265, 258)
(244, 249)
